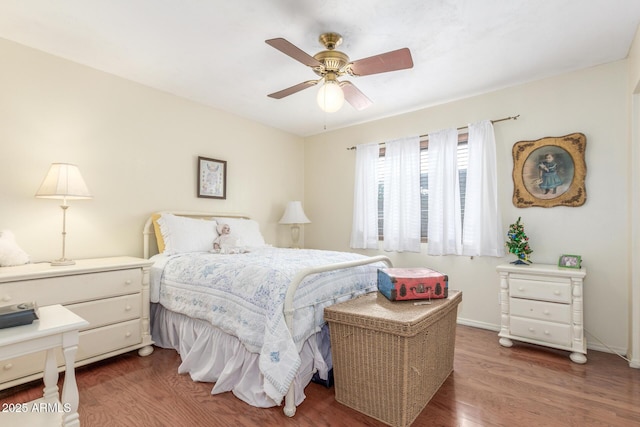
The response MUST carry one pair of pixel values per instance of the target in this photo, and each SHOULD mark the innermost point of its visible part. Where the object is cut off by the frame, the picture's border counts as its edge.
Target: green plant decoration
(518, 243)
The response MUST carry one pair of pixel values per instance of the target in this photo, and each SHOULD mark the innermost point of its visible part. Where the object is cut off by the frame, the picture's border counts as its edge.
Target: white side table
(57, 327)
(542, 304)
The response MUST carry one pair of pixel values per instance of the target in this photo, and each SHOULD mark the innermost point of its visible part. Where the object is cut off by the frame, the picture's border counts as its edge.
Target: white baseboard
(480, 325)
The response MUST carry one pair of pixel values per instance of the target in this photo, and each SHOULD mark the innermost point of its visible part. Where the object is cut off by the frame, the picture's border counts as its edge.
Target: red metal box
(399, 284)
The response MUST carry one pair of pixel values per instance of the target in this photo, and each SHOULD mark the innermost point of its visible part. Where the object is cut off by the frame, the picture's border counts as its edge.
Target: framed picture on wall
(212, 178)
(550, 172)
(570, 261)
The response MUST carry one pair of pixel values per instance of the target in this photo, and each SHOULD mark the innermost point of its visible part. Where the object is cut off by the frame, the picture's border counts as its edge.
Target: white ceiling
(213, 51)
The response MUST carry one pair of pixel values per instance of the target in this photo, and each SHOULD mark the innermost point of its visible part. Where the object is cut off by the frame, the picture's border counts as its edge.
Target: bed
(248, 316)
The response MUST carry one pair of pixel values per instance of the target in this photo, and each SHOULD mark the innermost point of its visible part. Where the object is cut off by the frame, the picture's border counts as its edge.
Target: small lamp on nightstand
(63, 182)
(294, 215)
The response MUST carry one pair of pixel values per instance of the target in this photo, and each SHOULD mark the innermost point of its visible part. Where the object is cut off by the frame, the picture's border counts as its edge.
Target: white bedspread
(243, 294)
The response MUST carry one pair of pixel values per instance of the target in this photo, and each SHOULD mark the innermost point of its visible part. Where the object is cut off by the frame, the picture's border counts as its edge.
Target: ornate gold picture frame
(550, 172)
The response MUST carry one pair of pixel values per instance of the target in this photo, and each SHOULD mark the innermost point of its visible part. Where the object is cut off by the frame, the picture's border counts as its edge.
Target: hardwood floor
(525, 385)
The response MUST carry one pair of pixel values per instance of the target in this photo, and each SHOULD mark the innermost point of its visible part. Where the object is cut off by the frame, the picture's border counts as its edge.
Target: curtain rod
(464, 127)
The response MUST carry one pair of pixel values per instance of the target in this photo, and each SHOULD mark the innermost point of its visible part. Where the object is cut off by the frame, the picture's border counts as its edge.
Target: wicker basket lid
(374, 311)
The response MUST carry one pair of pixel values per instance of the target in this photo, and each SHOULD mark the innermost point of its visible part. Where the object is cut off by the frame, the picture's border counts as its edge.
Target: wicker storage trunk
(390, 357)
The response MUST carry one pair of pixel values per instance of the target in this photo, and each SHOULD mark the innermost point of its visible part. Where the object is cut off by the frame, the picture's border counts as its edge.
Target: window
(463, 158)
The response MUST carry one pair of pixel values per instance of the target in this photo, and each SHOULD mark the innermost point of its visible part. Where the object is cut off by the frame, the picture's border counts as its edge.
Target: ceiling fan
(330, 64)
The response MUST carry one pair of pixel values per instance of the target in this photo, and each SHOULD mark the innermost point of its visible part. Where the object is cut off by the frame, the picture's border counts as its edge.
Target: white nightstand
(57, 327)
(112, 294)
(542, 304)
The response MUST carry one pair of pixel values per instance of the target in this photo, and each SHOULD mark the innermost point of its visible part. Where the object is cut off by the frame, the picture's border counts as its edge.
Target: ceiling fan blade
(293, 89)
(352, 94)
(296, 53)
(391, 61)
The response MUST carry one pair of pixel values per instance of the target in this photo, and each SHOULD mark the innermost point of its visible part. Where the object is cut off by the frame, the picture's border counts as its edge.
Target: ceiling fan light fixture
(330, 96)
(330, 64)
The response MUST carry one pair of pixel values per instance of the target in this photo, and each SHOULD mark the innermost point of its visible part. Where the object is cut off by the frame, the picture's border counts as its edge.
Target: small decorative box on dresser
(111, 293)
(542, 304)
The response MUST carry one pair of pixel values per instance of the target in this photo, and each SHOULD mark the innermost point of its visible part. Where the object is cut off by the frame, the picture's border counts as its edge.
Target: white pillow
(182, 234)
(10, 252)
(246, 231)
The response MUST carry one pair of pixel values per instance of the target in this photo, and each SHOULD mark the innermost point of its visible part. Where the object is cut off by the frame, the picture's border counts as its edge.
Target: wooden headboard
(150, 247)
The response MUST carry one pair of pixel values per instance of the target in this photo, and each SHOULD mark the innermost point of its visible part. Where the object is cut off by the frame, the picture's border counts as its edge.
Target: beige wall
(592, 101)
(137, 149)
(634, 225)
(634, 63)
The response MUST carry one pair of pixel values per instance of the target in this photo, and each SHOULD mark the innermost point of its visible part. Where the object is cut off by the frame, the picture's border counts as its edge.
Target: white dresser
(111, 293)
(542, 304)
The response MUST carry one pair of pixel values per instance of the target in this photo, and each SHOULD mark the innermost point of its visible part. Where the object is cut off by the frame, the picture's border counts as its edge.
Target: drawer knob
(521, 289)
(127, 282)
(546, 312)
(7, 366)
(547, 333)
(532, 330)
(128, 334)
(556, 292)
(127, 308)
(6, 298)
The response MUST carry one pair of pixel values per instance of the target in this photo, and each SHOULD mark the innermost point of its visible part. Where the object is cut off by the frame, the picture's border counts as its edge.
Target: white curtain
(402, 195)
(482, 233)
(445, 224)
(364, 230)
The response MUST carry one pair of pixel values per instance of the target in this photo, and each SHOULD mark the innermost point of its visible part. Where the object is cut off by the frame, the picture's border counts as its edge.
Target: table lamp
(294, 215)
(63, 182)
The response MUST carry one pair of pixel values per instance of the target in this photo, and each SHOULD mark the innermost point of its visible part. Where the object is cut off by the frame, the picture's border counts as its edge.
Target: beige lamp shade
(294, 214)
(63, 181)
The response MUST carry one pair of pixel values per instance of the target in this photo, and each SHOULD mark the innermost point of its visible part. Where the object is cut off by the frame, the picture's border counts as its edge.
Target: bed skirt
(210, 355)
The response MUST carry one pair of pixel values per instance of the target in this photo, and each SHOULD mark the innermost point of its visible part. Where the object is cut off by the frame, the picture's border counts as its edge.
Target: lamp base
(62, 261)
(295, 235)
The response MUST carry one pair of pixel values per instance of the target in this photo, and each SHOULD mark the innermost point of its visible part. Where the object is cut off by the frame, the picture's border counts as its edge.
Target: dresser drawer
(109, 310)
(545, 332)
(92, 342)
(542, 310)
(73, 288)
(22, 366)
(556, 291)
(109, 338)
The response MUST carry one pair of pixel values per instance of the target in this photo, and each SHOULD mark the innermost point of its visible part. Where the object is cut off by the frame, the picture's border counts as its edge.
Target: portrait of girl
(548, 172)
(549, 179)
